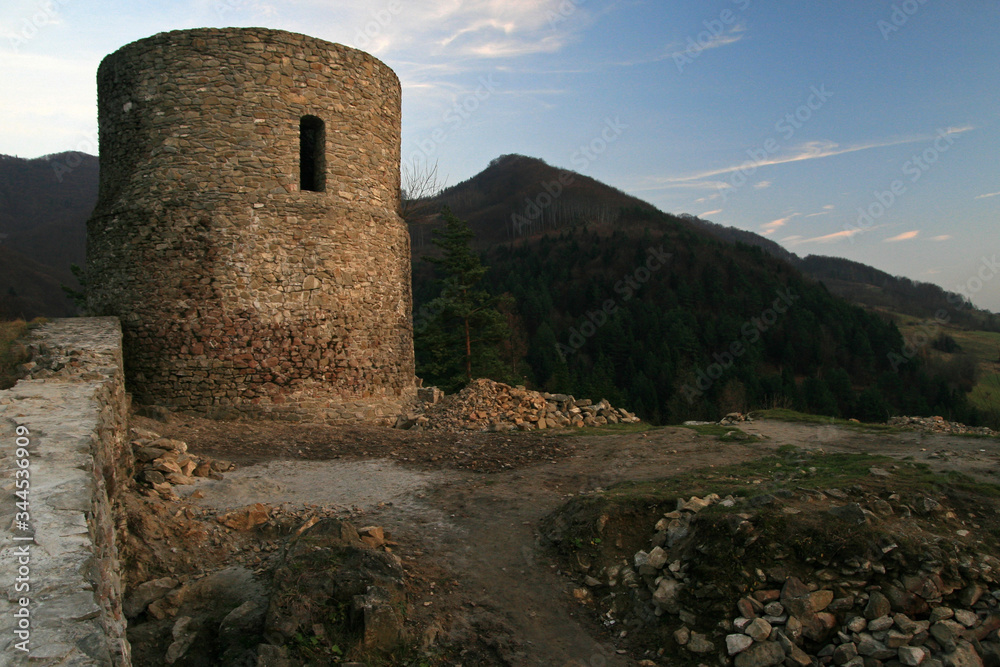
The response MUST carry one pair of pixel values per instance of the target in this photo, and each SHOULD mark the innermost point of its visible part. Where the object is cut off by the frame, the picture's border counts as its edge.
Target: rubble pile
(935, 606)
(199, 590)
(231, 616)
(162, 463)
(939, 425)
(485, 405)
(734, 418)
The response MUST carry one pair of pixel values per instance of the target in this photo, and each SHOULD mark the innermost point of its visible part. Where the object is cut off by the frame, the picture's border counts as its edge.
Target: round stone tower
(247, 230)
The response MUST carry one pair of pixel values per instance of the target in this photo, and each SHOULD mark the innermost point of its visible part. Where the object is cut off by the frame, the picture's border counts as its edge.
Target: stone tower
(247, 230)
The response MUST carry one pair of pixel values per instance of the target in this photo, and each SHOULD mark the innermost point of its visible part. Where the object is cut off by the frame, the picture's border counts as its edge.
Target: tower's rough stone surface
(237, 290)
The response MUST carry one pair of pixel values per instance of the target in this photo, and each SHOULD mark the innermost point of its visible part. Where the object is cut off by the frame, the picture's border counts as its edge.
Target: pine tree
(463, 337)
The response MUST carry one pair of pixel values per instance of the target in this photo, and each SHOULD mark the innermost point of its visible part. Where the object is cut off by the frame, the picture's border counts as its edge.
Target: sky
(865, 129)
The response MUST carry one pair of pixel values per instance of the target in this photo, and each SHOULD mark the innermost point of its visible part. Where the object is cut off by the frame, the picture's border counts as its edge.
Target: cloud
(812, 150)
(987, 196)
(943, 237)
(707, 213)
(827, 210)
(775, 225)
(475, 29)
(830, 238)
(690, 48)
(761, 185)
(905, 236)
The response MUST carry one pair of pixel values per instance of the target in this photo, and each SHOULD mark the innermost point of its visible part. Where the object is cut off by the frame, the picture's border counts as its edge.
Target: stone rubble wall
(74, 405)
(237, 291)
(939, 425)
(486, 405)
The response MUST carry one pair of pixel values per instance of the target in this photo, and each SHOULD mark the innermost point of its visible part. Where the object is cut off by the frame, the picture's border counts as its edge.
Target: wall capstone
(75, 409)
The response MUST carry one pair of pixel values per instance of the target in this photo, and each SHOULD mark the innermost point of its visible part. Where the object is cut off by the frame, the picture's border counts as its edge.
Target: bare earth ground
(464, 508)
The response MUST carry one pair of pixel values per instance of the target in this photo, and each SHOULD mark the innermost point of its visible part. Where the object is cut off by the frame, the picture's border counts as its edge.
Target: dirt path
(472, 536)
(494, 544)
(977, 457)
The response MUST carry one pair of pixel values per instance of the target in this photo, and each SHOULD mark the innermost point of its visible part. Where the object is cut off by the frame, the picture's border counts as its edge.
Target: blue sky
(866, 129)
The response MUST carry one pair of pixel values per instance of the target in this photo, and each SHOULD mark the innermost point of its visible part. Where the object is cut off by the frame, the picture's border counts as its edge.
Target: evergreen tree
(463, 336)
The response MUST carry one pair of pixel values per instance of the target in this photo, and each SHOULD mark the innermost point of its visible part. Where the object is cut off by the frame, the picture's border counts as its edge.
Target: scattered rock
(144, 594)
(911, 656)
(878, 606)
(737, 643)
(765, 654)
(939, 425)
(700, 644)
(184, 635)
(758, 630)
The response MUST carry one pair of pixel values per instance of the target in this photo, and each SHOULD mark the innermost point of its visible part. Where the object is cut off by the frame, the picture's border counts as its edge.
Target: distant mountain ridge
(518, 197)
(44, 206)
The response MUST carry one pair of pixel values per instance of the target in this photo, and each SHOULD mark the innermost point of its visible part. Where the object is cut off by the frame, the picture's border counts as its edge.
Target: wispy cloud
(690, 49)
(827, 210)
(829, 238)
(731, 36)
(707, 213)
(987, 196)
(775, 225)
(812, 150)
(905, 236)
(482, 29)
(943, 237)
(761, 185)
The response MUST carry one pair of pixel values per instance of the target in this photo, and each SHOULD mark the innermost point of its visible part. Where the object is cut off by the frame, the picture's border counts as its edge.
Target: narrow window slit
(312, 154)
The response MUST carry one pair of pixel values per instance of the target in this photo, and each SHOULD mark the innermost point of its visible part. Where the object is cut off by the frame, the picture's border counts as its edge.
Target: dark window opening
(312, 154)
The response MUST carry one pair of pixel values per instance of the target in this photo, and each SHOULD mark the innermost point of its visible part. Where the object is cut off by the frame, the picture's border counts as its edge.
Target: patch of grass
(10, 356)
(724, 433)
(793, 468)
(708, 429)
(610, 429)
(785, 415)
(986, 394)
(985, 345)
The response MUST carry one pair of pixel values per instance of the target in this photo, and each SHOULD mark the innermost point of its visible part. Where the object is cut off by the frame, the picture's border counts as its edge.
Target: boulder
(737, 643)
(765, 654)
(138, 600)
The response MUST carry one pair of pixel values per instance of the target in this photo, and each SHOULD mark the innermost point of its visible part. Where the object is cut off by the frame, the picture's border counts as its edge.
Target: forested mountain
(877, 289)
(44, 206)
(657, 313)
(518, 197)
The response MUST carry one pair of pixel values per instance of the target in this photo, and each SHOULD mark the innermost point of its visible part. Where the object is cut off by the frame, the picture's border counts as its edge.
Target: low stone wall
(65, 424)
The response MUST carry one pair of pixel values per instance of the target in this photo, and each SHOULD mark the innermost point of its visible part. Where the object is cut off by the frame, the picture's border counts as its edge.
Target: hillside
(44, 206)
(658, 313)
(518, 197)
(29, 289)
(876, 289)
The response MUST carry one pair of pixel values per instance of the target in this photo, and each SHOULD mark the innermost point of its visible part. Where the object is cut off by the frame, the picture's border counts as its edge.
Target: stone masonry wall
(237, 290)
(72, 409)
